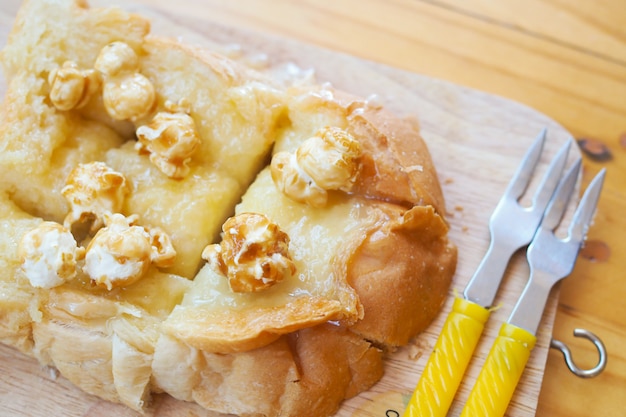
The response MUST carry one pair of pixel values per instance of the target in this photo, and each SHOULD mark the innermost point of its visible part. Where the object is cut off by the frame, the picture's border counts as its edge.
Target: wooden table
(566, 60)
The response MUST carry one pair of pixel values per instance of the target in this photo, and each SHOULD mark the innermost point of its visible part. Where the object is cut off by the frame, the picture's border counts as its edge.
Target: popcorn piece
(117, 58)
(326, 161)
(294, 182)
(330, 158)
(127, 94)
(93, 190)
(71, 88)
(131, 97)
(49, 254)
(170, 139)
(121, 253)
(253, 255)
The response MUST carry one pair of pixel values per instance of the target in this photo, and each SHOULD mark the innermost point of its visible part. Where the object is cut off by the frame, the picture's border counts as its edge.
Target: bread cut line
(174, 221)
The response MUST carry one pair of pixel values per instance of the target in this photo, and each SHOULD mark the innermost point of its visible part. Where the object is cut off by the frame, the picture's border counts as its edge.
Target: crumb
(409, 169)
(416, 349)
(53, 373)
(414, 352)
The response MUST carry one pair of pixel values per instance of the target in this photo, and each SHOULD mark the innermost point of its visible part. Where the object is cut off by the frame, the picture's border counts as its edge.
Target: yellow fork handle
(501, 372)
(447, 364)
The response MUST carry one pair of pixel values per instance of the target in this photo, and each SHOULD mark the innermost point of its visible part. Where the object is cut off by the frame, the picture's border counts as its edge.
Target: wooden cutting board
(476, 141)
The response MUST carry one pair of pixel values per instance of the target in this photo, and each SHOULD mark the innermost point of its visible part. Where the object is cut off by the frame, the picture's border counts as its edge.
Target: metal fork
(551, 259)
(511, 227)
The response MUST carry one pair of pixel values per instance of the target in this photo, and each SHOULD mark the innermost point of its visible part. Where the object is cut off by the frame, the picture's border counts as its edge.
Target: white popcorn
(93, 190)
(330, 158)
(121, 252)
(326, 161)
(49, 254)
(294, 182)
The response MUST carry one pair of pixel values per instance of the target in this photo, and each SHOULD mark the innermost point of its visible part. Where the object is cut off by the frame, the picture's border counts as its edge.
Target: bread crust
(397, 166)
(289, 376)
(402, 273)
(408, 258)
(229, 331)
(302, 358)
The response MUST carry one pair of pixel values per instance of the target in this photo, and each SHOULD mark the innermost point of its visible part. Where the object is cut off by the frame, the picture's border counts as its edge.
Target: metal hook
(567, 354)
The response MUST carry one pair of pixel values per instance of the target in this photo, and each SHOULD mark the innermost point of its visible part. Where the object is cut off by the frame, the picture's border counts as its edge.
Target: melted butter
(320, 245)
(157, 294)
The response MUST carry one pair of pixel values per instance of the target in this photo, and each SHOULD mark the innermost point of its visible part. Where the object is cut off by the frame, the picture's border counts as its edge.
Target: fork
(511, 227)
(550, 259)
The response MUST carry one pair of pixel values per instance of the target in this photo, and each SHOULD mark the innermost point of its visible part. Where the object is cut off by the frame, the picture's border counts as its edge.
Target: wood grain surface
(567, 62)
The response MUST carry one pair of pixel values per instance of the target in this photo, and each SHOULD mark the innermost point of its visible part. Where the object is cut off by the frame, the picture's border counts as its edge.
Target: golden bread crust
(226, 331)
(408, 256)
(396, 163)
(407, 259)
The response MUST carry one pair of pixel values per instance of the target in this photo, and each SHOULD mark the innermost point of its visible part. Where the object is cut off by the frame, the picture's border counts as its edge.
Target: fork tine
(586, 209)
(522, 176)
(558, 204)
(551, 178)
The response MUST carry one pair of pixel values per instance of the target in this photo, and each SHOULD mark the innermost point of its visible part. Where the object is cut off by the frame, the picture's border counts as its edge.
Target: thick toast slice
(114, 138)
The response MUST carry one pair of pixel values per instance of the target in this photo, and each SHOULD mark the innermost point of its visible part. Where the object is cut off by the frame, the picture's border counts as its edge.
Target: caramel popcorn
(127, 94)
(49, 254)
(71, 87)
(170, 139)
(326, 161)
(93, 190)
(253, 255)
(121, 252)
